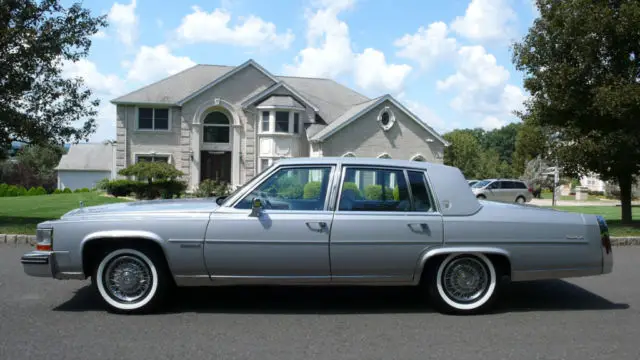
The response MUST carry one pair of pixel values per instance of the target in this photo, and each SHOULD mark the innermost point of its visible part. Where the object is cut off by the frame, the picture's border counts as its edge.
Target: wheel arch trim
(111, 235)
(486, 250)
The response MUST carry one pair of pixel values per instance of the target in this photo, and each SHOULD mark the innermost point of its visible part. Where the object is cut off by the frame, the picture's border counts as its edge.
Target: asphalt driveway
(587, 318)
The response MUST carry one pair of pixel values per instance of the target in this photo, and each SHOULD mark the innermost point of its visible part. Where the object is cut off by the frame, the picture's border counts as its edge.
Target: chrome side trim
(429, 253)
(192, 280)
(221, 280)
(529, 275)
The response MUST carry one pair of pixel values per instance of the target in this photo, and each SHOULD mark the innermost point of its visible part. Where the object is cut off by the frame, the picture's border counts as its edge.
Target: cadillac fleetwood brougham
(323, 221)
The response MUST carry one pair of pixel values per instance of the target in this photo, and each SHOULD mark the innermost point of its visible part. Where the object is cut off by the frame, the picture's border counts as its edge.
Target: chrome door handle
(318, 226)
(418, 227)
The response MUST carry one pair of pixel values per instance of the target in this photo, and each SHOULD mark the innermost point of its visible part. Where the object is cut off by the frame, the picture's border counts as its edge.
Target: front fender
(430, 253)
(121, 234)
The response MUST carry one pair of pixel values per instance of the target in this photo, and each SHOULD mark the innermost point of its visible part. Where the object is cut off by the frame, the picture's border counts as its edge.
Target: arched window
(418, 157)
(349, 154)
(384, 156)
(216, 128)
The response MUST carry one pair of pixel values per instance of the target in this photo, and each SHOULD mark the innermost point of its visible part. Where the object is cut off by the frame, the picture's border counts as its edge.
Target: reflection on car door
(384, 220)
(288, 240)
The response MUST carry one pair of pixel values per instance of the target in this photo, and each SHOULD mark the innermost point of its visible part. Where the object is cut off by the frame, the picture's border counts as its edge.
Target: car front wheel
(130, 280)
(463, 283)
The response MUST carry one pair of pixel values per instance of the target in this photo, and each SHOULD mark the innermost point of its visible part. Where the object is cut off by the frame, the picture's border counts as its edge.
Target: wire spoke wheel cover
(127, 279)
(466, 281)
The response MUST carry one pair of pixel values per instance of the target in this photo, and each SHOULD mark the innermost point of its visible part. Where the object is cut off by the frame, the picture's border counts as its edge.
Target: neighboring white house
(593, 182)
(86, 164)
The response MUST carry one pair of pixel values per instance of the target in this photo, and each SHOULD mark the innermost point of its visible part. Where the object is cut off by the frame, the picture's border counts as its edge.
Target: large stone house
(230, 122)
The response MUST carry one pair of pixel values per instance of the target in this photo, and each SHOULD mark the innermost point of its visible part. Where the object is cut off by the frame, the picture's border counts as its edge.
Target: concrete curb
(17, 239)
(31, 240)
(625, 241)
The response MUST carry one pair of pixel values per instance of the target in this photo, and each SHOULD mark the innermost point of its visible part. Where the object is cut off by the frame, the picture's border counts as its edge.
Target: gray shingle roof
(281, 100)
(332, 98)
(346, 116)
(91, 156)
(176, 87)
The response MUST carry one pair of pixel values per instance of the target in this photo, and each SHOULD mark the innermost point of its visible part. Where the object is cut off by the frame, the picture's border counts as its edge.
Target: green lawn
(20, 215)
(612, 215)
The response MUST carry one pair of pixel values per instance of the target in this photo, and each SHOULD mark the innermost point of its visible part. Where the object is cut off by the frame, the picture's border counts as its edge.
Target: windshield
(480, 184)
(239, 188)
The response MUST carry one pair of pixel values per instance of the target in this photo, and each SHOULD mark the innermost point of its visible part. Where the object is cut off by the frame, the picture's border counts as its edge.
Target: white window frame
(272, 121)
(153, 122)
(153, 155)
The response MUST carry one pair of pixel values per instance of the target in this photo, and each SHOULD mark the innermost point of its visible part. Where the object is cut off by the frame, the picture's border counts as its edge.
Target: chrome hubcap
(128, 279)
(465, 280)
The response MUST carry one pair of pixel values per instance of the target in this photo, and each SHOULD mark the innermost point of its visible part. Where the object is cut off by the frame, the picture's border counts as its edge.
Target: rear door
(385, 219)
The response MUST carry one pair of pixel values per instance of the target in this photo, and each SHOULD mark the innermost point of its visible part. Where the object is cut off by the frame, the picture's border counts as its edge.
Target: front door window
(299, 188)
(216, 128)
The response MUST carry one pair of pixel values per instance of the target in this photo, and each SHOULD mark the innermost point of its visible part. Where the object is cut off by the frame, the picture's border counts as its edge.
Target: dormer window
(280, 115)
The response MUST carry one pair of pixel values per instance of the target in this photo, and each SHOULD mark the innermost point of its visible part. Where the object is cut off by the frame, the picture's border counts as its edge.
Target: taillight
(530, 189)
(605, 239)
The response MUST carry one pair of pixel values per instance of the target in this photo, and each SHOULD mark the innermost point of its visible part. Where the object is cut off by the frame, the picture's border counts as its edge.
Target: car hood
(172, 205)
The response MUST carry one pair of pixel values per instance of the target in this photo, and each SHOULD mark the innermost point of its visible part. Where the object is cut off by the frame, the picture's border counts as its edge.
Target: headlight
(44, 239)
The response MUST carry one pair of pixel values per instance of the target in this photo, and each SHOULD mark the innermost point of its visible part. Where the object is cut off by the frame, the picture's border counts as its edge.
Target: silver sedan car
(319, 221)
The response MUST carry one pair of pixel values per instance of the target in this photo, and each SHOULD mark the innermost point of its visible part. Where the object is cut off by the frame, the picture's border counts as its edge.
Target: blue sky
(449, 62)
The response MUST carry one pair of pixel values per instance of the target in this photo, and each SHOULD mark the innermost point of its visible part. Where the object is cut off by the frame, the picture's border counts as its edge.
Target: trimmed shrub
(311, 190)
(66, 191)
(3, 189)
(352, 186)
(120, 187)
(22, 191)
(168, 189)
(57, 191)
(82, 190)
(209, 187)
(41, 191)
(11, 191)
(32, 192)
(374, 192)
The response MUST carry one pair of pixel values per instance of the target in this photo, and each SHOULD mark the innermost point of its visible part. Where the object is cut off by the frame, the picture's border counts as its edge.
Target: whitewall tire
(463, 283)
(130, 280)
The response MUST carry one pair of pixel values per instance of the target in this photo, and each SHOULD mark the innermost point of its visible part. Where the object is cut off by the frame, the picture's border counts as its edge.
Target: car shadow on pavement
(547, 295)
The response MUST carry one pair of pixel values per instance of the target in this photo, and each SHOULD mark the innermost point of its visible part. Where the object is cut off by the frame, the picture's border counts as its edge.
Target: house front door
(215, 165)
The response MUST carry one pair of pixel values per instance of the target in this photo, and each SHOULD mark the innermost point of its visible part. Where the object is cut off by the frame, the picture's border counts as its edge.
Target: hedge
(374, 192)
(165, 189)
(13, 191)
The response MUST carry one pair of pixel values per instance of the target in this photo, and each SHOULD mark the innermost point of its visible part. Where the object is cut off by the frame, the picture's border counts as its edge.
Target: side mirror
(256, 207)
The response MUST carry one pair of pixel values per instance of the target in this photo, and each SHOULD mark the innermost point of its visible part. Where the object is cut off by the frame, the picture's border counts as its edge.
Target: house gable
(364, 135)
(228, 76)
(363, 109)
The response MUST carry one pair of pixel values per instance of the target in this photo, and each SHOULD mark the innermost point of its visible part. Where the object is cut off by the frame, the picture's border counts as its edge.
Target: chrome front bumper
(40, 264)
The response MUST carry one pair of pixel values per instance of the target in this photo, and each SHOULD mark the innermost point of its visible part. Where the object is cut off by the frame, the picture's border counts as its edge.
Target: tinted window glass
(161, 120)
(265, 121)
(282, 121)
(292, 189)
(419, 191)
(216, 134)
(520, 185)
(296, 123)
(374, 190)
(145, 118)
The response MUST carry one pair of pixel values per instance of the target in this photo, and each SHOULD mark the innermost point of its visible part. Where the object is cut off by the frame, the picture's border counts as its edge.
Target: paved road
(590, 318)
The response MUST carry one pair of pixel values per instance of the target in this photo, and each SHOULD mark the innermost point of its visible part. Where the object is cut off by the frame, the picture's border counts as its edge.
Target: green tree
(503, 141)
(37, 104)
(581, 60)
(464, 153)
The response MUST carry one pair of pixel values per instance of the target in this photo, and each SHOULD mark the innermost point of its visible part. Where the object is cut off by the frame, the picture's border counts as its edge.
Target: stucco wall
(365, 138)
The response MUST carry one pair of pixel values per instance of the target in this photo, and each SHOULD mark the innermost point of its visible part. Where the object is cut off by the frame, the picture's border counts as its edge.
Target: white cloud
(486, 20)
(107, 84)
(329, 52)
(100, 35)
(427, 115)
(372, 72)
(482, 86)
(491, 123)
(214, 27)
(124, 19)
(427, 45)
(153, 63)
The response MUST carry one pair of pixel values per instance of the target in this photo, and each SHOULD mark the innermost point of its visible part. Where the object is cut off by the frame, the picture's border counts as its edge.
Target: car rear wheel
(481, 197)
(520, 200)
(131, 280)
(463, 283)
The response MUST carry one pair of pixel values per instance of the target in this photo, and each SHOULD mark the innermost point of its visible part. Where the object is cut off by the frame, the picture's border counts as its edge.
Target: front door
(288, 240)
(216, 165)
(384, 222)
